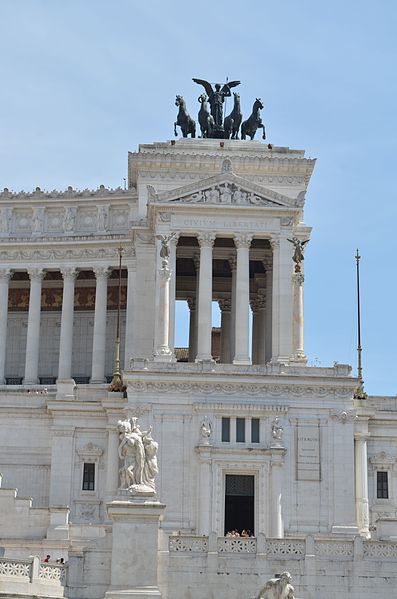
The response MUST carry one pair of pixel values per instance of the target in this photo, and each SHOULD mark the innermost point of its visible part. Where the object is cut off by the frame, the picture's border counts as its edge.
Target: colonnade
(69, 273)
(277, 306)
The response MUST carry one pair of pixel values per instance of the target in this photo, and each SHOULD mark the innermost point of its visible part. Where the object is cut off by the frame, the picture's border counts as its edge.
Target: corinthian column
(226, 312)
(66, 339)
(361, 486)
(33, 334)
(204, 333)
(241, 355)
(99, 339)
(191, 302)
(162, 350)
(258, 306)
(233, 269)
(298, 344)
(173, 245)
(4, 284)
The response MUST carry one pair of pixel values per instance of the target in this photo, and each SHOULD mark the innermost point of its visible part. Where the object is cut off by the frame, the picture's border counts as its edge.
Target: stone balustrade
(28, 577)
(288, 548)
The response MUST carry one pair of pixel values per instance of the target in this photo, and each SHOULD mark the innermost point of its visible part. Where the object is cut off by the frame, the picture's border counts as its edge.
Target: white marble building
(319, 496)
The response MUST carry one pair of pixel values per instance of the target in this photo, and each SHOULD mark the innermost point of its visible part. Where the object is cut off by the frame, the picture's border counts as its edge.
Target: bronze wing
(229, 85)
(207, 86)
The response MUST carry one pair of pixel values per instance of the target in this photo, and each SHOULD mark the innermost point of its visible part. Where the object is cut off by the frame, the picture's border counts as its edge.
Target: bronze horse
(233, 120)
(205, 118)
(254, 122)
(184, 120)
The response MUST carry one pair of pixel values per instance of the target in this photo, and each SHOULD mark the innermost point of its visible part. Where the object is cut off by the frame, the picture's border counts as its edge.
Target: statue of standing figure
(165, 248)
(278, 588)
(216, 98)
(298, 256)
(138, 454)
(277, 431)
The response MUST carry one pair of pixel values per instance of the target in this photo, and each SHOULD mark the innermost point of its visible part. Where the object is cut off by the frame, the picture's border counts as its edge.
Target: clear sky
(84, 81)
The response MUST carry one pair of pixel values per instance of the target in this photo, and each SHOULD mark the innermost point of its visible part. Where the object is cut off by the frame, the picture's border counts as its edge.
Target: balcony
(28, 577)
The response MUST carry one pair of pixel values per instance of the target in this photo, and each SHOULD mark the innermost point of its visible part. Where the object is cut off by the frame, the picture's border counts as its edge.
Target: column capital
(274, 243)
(191, 302)
(5, 274)
(36, 274)
(233, 263)
(298, 279)
(267, 263)
(259, 302)
(68, 272)
(225, 305)
(102, 272)
(243, 240)
(206, 239)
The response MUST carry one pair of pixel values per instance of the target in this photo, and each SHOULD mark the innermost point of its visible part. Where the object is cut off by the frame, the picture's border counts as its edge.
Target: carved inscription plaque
(308, 452)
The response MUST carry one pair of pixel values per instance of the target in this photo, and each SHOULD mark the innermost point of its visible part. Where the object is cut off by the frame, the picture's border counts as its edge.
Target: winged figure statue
(216, 97)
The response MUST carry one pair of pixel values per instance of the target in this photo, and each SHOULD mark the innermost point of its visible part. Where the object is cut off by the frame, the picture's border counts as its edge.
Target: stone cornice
(239, 408)
(194, 156)
(102, 193)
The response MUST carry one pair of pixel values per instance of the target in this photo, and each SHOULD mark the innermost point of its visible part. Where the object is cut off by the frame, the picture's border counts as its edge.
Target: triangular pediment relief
(226, 188)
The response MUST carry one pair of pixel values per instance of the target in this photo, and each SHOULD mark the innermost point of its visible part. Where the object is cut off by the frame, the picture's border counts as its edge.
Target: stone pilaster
(282, 300)
(241, 324)
(129, 318)
(173, 246)
(276, 515)
(4, 286)
(99, 338)
(204, 333)
(66, 338)
(33, 334)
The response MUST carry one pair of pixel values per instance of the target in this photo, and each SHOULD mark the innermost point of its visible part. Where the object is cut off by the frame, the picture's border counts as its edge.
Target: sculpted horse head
(179, 101)
(258, 104)
(203, 98)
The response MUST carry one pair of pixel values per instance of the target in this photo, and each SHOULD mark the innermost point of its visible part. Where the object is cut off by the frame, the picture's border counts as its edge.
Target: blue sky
(84, 81)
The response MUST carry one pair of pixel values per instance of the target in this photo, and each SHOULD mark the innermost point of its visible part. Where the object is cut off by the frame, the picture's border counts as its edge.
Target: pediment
(224, 189)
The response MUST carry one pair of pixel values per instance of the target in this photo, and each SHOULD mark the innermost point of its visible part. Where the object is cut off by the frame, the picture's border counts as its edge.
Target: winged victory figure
(216, 97)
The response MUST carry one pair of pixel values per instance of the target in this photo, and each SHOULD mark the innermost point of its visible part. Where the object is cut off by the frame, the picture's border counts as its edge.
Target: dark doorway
(239, 503)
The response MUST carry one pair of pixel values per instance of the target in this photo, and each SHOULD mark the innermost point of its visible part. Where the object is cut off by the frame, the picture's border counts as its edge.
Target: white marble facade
(321, 490)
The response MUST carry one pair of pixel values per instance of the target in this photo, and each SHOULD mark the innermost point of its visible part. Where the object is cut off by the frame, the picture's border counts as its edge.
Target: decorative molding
(101, 191)
(64, 253)
(240, 408)
(241, 389)
(89, 452)
(382, 461)
(344, 416)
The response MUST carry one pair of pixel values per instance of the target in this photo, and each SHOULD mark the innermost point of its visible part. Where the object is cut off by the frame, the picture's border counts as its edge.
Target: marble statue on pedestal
(277, 431)
(138, 454)
(278, 588)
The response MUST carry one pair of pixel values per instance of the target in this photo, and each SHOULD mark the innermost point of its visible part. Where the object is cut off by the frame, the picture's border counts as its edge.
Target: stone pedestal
(134, 549)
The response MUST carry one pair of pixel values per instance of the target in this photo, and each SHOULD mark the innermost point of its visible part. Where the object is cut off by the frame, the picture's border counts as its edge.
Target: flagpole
(360, 393)
(117, 383)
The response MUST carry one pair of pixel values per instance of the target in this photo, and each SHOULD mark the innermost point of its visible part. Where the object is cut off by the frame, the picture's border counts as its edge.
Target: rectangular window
(226, 430)
(89, 477)
(240, 430)
(255, 430)
(382, 485)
